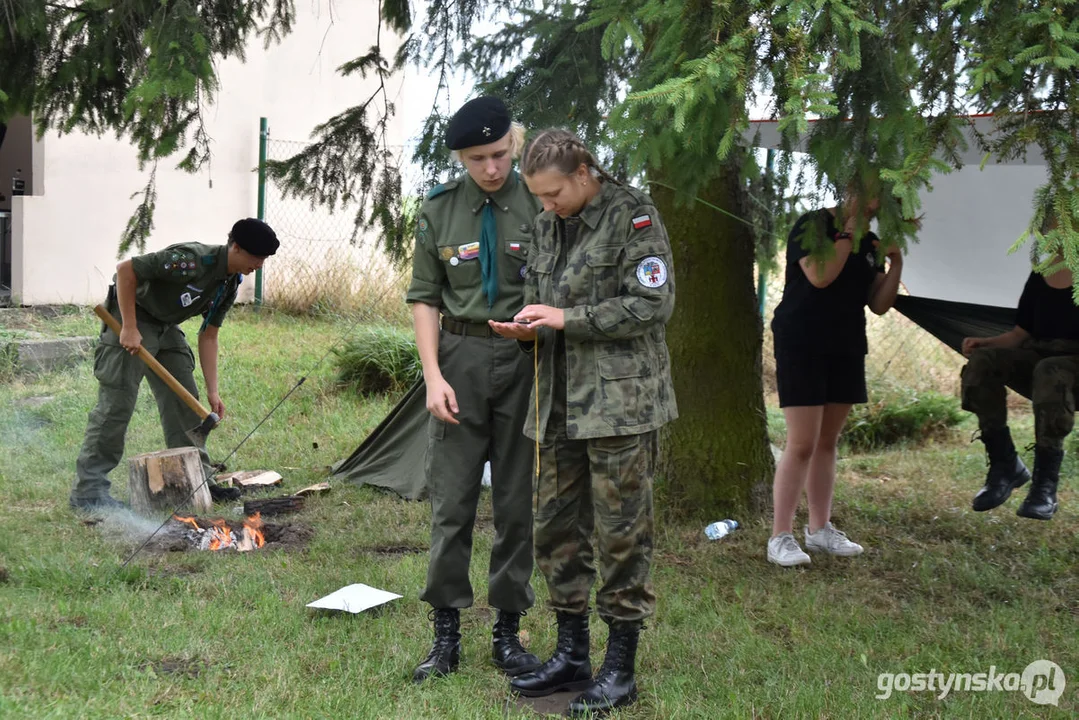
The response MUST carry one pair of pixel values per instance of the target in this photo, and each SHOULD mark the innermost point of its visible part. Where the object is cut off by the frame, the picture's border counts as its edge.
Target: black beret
(254, 236)
(478, 122)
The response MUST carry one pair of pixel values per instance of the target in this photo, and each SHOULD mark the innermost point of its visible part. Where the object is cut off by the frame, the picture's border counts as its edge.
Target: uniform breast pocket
(542, 265)
(462, 263)
(605, 279)
(515, 259)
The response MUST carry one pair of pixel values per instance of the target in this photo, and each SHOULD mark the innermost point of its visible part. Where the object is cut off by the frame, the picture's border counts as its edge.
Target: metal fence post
(263, 133)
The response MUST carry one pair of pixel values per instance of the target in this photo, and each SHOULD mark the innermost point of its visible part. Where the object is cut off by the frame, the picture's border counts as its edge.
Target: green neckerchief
(489, 228)
(489, 253)
(233, 281)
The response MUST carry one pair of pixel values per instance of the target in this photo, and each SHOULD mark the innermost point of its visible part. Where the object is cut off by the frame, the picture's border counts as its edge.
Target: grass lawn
(188, 634)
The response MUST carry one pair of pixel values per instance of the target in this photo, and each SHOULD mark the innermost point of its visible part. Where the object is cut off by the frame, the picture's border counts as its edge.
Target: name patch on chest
(468, 251)
(652, 272)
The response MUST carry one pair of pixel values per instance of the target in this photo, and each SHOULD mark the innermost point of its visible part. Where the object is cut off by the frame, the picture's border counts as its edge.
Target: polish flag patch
(515, 246)
(642, 221)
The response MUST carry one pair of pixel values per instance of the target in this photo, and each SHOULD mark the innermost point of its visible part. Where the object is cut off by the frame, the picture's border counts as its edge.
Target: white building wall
(66, 235)
(972, 217)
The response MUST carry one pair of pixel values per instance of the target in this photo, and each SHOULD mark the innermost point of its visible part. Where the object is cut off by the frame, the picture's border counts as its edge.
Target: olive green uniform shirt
(446, 263)
(183, 281)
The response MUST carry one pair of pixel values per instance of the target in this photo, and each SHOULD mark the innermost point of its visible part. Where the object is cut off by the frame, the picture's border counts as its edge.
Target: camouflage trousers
(602, 485)
(1046, 372)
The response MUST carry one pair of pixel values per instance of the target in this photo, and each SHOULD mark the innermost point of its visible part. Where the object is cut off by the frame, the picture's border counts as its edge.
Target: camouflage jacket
(616, 285)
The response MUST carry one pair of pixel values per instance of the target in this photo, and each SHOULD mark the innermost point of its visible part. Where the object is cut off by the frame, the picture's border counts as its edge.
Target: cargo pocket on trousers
(616, 476)
(110, 365)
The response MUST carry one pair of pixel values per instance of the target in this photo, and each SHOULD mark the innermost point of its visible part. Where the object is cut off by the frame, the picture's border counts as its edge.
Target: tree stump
(166, 479)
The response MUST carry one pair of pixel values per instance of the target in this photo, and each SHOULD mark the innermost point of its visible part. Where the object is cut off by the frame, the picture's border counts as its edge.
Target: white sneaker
(783, 550)
(832, 541)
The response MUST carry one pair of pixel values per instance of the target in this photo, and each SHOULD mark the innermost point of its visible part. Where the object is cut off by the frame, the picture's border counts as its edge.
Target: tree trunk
(716, 457)
(166, 480)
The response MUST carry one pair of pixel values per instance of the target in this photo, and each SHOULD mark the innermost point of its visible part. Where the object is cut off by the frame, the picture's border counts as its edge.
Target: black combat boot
(1006, 470)
(615, 685)
(1041, 502)
(568, 669)
(220, 493)
(506, 649)
(445, 654)
(101, 504)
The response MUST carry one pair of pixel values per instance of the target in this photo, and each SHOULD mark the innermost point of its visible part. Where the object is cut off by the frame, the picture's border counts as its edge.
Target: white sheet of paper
(354, 599)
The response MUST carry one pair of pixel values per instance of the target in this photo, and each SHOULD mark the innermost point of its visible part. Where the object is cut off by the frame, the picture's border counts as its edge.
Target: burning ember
(219, 536)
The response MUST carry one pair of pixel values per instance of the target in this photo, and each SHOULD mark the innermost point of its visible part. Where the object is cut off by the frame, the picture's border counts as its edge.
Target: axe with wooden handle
(209, 419)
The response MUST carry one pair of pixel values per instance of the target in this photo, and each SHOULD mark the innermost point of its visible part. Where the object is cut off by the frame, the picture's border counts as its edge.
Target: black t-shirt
(829, 320)
(1047, 313)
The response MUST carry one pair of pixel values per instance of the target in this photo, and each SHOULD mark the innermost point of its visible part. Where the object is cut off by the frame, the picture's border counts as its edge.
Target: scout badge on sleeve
(652, 272)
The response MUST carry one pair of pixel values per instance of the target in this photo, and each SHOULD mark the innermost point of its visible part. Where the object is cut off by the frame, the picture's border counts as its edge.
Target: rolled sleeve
(428, 272)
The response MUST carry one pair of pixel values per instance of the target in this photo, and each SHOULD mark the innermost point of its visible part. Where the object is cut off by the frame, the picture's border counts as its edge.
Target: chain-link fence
(320, 267)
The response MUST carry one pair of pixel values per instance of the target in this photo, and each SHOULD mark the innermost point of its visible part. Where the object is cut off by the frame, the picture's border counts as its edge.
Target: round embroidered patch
(524, 271)
(423, 224)
(652, 272)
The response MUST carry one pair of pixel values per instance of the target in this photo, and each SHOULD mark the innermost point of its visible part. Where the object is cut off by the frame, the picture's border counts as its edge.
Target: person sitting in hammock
(1039, 357)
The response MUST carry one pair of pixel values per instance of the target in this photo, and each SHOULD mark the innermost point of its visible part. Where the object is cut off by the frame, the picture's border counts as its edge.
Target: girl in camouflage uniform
(598, 292)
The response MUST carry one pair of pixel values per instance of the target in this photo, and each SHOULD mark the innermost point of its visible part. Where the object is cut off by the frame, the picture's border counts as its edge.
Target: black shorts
(805, 378)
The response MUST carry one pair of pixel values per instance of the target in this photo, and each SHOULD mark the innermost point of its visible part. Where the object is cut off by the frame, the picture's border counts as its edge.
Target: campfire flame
(189, 520)
(253, 531)
(220, 536)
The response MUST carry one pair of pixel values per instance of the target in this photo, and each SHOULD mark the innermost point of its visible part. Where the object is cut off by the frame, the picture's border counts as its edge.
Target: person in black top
(820, 348)
(1039, 357)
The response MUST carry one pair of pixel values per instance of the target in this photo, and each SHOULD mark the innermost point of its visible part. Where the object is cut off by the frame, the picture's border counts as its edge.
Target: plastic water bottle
(720, 529)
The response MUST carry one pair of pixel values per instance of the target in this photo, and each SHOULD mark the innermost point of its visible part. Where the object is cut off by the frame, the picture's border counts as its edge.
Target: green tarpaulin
(392, 456)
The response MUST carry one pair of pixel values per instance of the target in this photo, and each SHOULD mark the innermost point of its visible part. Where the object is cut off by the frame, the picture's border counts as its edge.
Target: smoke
(121, 525)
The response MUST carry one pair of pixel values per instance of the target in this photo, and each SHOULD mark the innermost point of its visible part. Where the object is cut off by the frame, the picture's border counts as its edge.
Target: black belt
(474, 329)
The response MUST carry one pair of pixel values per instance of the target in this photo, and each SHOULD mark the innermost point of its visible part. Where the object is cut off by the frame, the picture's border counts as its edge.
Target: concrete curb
(49, 354)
